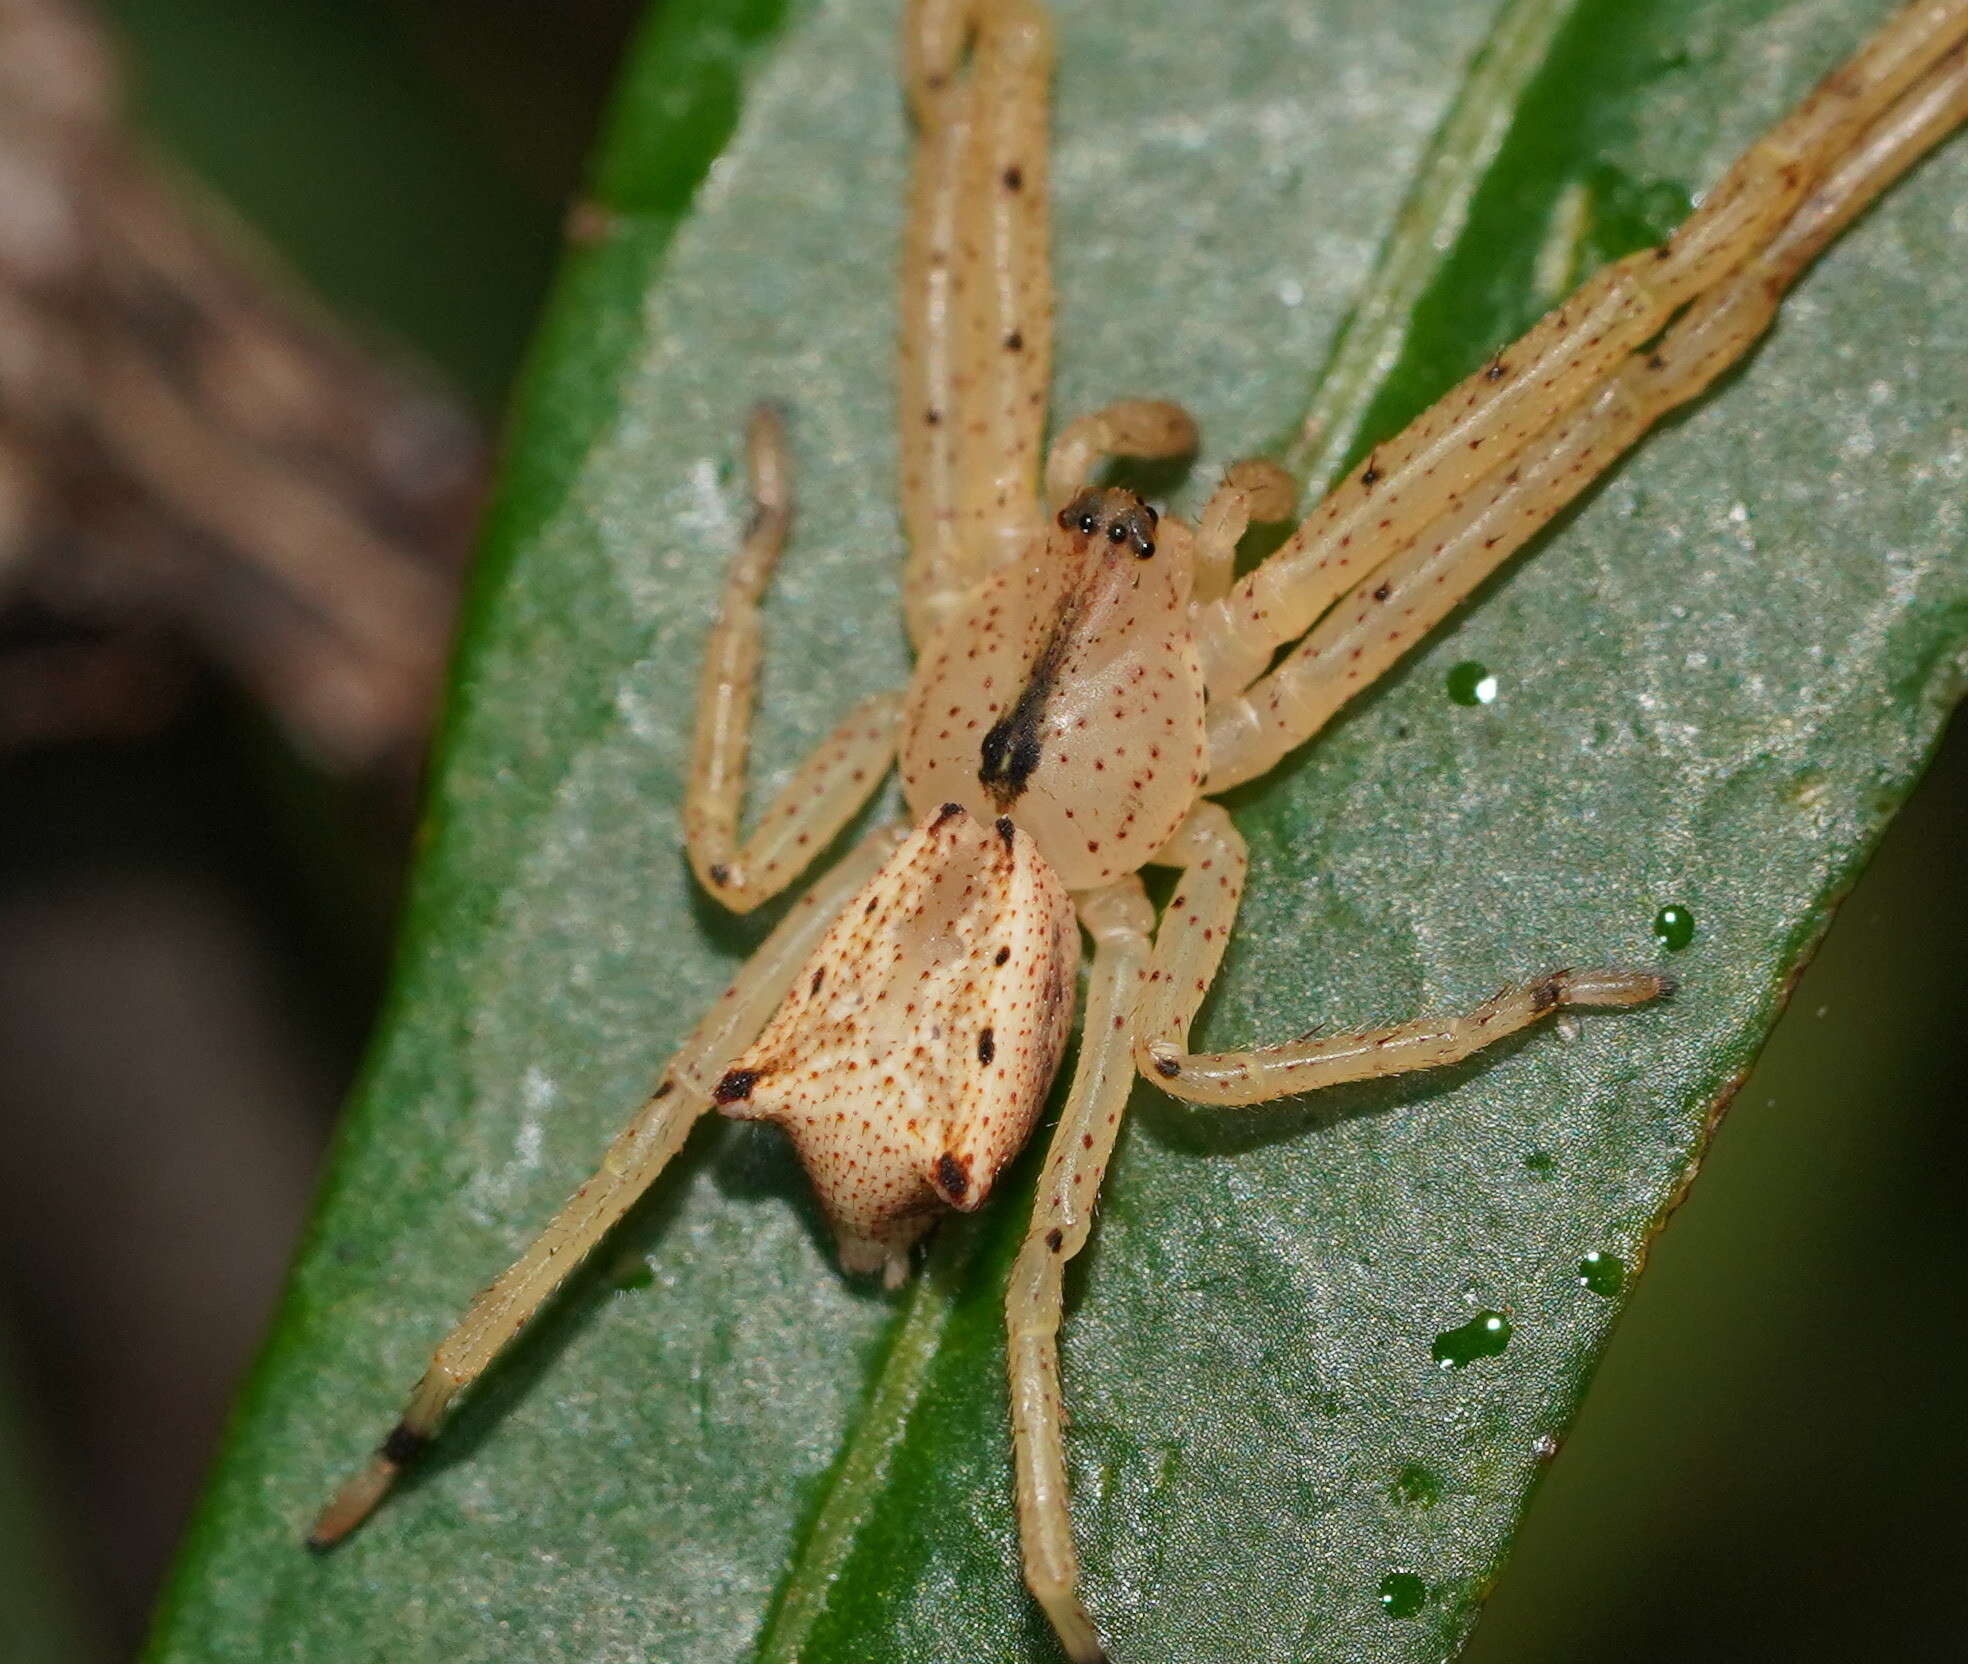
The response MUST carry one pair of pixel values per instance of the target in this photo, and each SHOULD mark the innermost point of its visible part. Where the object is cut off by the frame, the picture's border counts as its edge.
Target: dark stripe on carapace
(1009, 756)
(1014, 743)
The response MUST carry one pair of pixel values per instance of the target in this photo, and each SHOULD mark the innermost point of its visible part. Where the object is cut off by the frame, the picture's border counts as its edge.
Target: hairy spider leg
(640, 1151)
(975, 352)
(1189, 943)
(1118, 919)
(1502, 413)
(835, 780)
(1425, 576)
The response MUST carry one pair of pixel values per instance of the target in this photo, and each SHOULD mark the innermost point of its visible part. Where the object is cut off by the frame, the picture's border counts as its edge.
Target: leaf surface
(1713, 683)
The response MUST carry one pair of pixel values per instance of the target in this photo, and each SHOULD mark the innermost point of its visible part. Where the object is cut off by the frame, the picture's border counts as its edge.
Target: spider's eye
(1117, 533)
(1089, 521)
(1154, 519)
(1144, 547)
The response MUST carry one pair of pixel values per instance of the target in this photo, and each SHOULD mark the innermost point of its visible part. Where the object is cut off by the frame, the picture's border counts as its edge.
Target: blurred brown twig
(195, 465)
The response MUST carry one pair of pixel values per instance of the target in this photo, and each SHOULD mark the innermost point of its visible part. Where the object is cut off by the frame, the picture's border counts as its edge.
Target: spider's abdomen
(914, 1052)
(1066, 693)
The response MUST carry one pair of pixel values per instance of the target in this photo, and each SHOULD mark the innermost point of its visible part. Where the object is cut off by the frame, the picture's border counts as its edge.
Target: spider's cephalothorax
(1066, 692)
(1089, 671)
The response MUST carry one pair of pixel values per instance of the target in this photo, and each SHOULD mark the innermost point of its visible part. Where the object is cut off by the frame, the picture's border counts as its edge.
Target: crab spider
(1090, 673)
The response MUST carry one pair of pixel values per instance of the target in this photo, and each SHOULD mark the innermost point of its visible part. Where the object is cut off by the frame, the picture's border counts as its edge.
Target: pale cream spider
(1090, 674)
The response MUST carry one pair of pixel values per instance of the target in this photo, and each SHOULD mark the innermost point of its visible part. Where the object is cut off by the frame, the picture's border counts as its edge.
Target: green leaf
(1713, 685)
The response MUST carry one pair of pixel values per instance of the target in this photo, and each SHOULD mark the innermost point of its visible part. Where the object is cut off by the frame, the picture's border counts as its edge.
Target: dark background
(194, 928)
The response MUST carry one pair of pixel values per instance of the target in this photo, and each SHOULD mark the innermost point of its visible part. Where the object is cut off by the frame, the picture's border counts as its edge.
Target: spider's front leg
(975, 348)
(1118, 919)
(1189, 947)
(640, 1151)
(1415, 581)
(831, 784)
(1505, 417)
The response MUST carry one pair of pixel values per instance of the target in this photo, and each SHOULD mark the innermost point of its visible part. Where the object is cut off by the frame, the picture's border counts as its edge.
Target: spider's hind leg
(1118, 918)
(639, 1153)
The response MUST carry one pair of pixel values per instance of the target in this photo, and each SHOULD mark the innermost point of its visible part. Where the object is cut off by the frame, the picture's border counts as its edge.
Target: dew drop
(1483, 1336)
(1674, 927)
(1401, 1594)
(1471, 683)
(1417, 1486)
(1604, 1274)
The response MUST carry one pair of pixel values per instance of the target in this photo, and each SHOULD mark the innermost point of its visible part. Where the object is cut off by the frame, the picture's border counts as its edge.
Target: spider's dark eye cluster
(1134, 525)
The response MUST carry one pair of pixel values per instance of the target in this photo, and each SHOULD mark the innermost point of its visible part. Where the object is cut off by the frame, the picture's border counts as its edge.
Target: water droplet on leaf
(1603, 1273)
(1401, 1594)
(1483, 1336)
(1471, 683)
(634, 1272)
(1674, 927)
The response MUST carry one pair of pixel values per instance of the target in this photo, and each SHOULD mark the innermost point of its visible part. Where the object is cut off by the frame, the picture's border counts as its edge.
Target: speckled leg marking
(1273, 1072)
(640, 1151)
(1413, 581)
(1501, 418)
(831, 784)
(1118, 919)
(1195, 927)
(976, 294)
